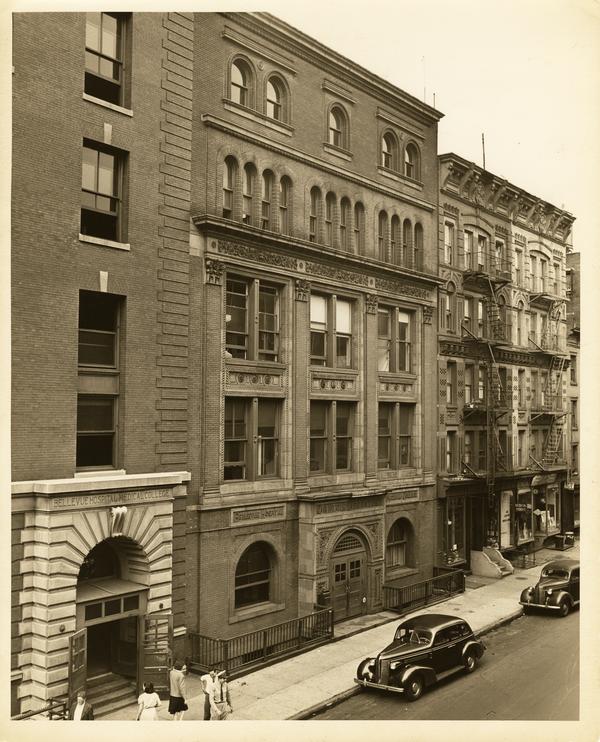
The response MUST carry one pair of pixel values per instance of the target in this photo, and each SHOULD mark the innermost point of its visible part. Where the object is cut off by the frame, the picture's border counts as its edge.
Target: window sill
(340, 152)
(398, 177)
(101, 471)
(260, 118)
(258, 366)
(243, 614)
(106, 104)
(399, 573)
(104, 243)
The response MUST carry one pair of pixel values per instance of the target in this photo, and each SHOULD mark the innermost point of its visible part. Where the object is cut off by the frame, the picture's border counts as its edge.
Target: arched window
(411, 161)
(389, 151)
(313, 219)
(248, 193)
(344, 222)
(417, 262)
(276, 107)
(329, 216)
(101, 561)
(240, 82)
(267, 195)
(382, 235)
(285, 195)
(406, 239)
(397, 255)
(397, 552)
(338, 127)
(447, 307)
(253, 576)
(229, 178)
(520, 323)
(359, 227)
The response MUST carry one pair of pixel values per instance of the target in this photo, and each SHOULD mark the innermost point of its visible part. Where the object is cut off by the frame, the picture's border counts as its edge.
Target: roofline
(447, 156)
(347, 65)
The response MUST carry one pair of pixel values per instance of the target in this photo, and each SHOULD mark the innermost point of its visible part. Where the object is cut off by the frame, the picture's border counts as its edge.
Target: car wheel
(470, 661)
(563, 608)
(414, 688)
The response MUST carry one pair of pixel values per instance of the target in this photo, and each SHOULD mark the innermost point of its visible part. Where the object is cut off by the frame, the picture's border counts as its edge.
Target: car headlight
(530, 590)
(549, 591)
(395, 665)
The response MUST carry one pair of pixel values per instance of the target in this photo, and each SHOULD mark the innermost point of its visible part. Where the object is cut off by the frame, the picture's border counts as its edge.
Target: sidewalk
(295, 687)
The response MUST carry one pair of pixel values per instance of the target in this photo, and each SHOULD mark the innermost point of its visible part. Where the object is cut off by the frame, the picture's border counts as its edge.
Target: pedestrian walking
(148, 704)
(207, 682)
(81, 710)
(177, 704)
(220, 702)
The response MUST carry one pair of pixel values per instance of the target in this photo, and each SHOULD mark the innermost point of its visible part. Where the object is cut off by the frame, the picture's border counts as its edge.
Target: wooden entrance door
(77, 664)
(348, 577)
(155, 655)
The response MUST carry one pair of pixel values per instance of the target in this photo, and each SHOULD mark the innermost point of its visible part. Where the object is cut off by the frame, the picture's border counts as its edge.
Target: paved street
(530, 671)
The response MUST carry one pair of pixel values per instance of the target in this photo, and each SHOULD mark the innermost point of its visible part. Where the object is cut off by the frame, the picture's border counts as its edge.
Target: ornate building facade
(502, 367)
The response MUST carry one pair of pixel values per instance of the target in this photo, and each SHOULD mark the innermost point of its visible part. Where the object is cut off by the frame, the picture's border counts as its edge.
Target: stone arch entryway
(348, 575)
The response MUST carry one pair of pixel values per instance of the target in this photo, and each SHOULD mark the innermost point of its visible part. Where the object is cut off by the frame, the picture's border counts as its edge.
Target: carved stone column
(370, 386)
(301, 380)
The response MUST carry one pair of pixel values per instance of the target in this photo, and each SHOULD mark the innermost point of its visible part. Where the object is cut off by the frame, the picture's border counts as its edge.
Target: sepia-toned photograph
(293, 297)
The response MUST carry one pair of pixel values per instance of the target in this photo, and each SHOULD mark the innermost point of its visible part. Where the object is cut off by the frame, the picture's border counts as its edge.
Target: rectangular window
(404, 342)
(104, 53)
(101, 201)
(543, 276)
(394, 340)
(451, 451)
(469, 382)
(468, 447)
(448, 242)
(519, 267)
(480, 318)
(573, 369)
(467, 322)
(556, 280)
(251, 438)
(499, 255)
(574, 420)
(319, 431)
(481, 251)
(451, 383)
(343, 435)
(98, 326)
(575, 458)
(330, 349)
(521, 382)
(468, 247)
(405, 429)
(534, 390)
(384, 339)
(521, 449)
(482, 451)
(534, 280)
(96, 431)
(252, 319)
(384, 439)
(481, 383)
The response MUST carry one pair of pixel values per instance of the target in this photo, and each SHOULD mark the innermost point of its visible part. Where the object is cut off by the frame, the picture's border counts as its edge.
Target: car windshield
(413, 636)
(554, 572)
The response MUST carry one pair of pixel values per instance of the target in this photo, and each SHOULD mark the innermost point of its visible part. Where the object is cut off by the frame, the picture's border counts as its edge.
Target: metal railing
(260, 647)
(54, 710)
(404, 599)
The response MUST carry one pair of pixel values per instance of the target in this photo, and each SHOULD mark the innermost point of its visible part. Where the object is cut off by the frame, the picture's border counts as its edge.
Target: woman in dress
(148, 704)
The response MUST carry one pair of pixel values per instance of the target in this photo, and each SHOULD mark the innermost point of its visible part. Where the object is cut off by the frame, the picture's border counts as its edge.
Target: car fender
(559, 595)
(470, 645)
(428, 674)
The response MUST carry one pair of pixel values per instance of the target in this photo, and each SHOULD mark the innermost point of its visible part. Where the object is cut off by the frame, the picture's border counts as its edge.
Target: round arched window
(253, 576)
(240, 83)
(276, 108)
(398, 544)
(411, 162)
(101, 561)
(338, 128)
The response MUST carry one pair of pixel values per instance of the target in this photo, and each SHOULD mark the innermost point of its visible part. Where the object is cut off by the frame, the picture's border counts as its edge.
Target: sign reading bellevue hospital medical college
(101, 499)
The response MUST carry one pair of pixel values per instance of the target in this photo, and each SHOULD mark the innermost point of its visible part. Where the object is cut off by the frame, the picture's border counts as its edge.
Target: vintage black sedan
(425, 649)
(557, 589)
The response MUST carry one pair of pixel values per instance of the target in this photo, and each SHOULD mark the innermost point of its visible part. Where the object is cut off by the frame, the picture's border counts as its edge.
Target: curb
(349, 692)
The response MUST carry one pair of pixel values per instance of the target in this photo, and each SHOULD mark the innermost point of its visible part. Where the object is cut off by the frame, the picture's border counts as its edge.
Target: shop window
(101, 192)
(229, 178)
(394, 340)
(454, 531)
(251, 438)
(331, 436)
(395, 435)
(253, 574)
(252, 319)
(397, 551)
(330, 331)
(545, 510)
(105, 35)
(285, 197)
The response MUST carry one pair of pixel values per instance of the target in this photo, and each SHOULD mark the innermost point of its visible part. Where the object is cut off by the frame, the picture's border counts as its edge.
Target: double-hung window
(395, 435)
(104, 46)
(331, 436)
(394, 340)
(101, 187)
(330, 331)
(468, 250)
(448, 242)
(451, 383)
(469, 381)
(252, 319)
(251, 445)
(98, 362)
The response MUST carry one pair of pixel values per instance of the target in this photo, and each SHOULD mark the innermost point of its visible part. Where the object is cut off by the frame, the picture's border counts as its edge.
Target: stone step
(109, 692)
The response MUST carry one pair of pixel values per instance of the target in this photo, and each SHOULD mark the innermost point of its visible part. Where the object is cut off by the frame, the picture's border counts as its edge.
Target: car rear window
(554, 572)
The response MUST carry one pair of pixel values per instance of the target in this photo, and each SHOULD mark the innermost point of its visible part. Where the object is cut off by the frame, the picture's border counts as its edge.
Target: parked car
(557, 589)
(425, 649)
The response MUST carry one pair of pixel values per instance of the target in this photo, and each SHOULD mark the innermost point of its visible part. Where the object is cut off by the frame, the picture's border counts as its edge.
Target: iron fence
(443, 586)
(54, 710)
(257, 648)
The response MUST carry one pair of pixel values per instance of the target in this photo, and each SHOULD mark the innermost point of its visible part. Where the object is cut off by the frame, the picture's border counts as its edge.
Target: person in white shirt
(81, 710)
(207, 682)
(220, 702)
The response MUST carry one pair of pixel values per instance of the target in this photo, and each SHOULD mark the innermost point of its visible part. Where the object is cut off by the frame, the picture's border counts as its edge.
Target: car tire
(563, 608)
(470, 661)
(413, 689)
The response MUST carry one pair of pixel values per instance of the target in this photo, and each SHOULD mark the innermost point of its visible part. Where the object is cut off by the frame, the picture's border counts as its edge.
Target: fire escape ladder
(495, 327)
(553, 441)
(494, 391)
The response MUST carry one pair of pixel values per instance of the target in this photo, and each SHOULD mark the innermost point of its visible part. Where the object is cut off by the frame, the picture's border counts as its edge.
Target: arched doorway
(348, 576)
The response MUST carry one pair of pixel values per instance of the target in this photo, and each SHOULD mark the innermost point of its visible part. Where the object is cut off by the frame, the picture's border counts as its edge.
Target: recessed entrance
(112, 648)
(348, 576)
